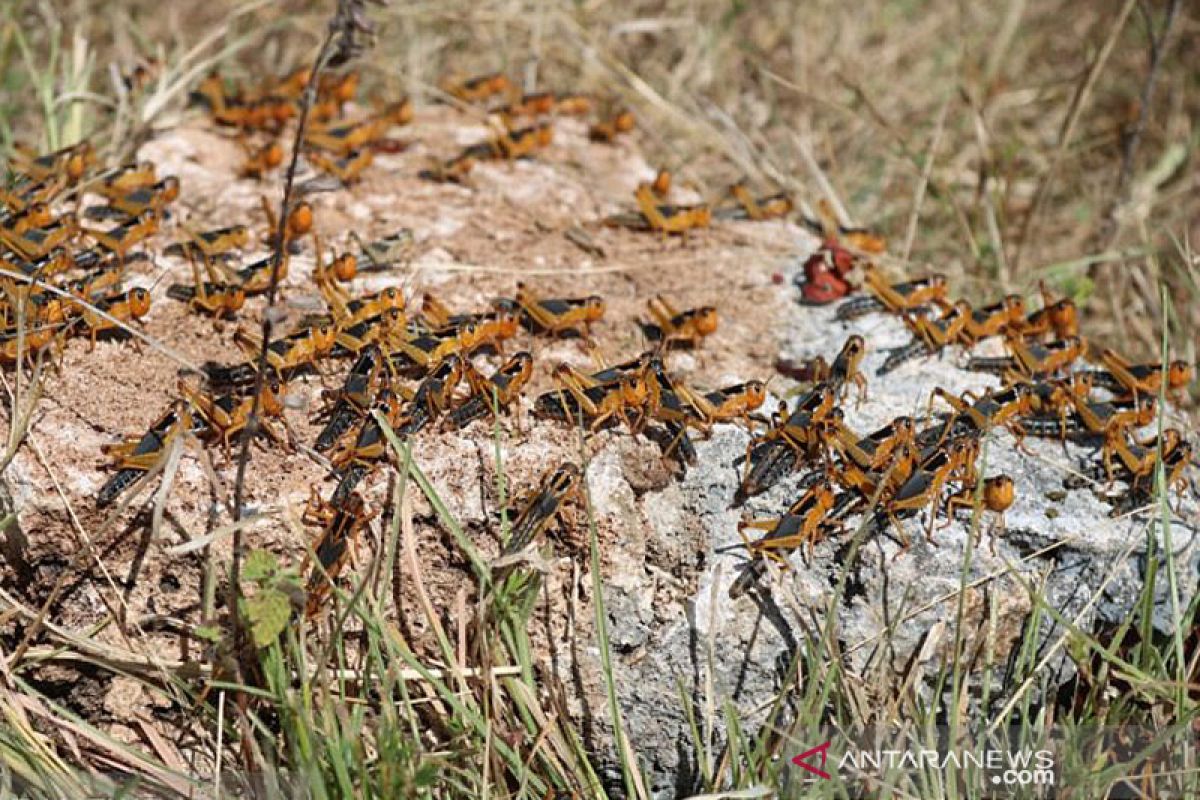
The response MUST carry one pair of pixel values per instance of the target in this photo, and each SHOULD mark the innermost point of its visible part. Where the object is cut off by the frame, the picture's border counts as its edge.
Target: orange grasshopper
(805, 522)
(608, 130)
(668, 219)
(341, 523)
(556, 316)
(346, 139)
(136, 457)
(480, 88)
(124, 307)
(776, 206)
(261, 161)
(681, 327)
(500, 390)
(542, 506)
(597, 404)
(221, 419)
(899, 298)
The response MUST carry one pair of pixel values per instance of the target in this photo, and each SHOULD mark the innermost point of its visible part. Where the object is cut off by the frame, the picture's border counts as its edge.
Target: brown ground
(472, 244)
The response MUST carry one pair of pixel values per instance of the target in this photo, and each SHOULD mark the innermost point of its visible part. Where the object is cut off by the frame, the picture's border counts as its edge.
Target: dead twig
(1067, 131)
(346, 37)
(1159, 45)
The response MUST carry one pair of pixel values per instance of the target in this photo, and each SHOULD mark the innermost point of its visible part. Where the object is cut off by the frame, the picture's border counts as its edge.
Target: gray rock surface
(1090, 565)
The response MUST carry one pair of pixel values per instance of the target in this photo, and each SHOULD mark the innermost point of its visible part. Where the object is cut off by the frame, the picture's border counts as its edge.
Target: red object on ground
(825, 274)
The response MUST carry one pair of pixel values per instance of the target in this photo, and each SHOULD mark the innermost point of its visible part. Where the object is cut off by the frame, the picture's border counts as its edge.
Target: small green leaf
(268, 612)
(427, 775)
(1077, 649)
(209, 633)
(260, 564)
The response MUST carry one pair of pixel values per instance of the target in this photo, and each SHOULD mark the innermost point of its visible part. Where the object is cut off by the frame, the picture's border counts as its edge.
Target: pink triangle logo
(802, 760)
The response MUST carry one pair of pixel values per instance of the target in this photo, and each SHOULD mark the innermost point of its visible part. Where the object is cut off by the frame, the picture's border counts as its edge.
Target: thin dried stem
(1067, 131)
(346, 38)
(1159, 45)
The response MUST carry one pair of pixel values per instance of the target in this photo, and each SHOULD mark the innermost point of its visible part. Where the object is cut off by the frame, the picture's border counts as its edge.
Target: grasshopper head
(1179, 374)
(998, 493)
(1014, 308)
(271, 398)
(323, 337)
(706, 320)
(593, 308)
(756, 394)
(233, 298)
(300, 220)
(345, 267)
(1064, 317)
(169, 189)
(139, 302)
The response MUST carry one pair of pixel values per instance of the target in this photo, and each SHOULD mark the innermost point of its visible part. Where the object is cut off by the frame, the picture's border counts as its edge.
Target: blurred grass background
(1002, 143)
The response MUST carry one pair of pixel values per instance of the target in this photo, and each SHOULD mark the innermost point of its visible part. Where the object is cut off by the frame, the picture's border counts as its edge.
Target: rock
(1090, 566)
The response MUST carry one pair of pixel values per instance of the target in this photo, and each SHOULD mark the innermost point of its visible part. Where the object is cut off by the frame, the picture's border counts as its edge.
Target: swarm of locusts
(402, 364)
(910, 465)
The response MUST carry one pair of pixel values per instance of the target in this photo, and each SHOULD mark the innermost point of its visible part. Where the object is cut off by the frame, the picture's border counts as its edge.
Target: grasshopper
(607, 130)
(255, 278)
(875, 451)
(542, 506)
(128, 178)
(262, 160)
(1032, 360)
(290, 353)
(124, 307)
(223, 418)
(341, 524)
(211, 245)
(34, 215)
(681, 327)
(353, 399)
(32, 244)
(598, 404)
(501, 388)
(220, 300)
(556, 316)
(1121, 377)
(151, 199)
(348, 169)
(803, 523)
(669, 219)
(347, 139)
(139, 456)
(924, 486)
(1057, 317)
(69, 163)
(434, 395)
(480, 88)
(899, 298)
(383, 329)
(994, 320)
(352, 460)
(930, 336)
(776, 206)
